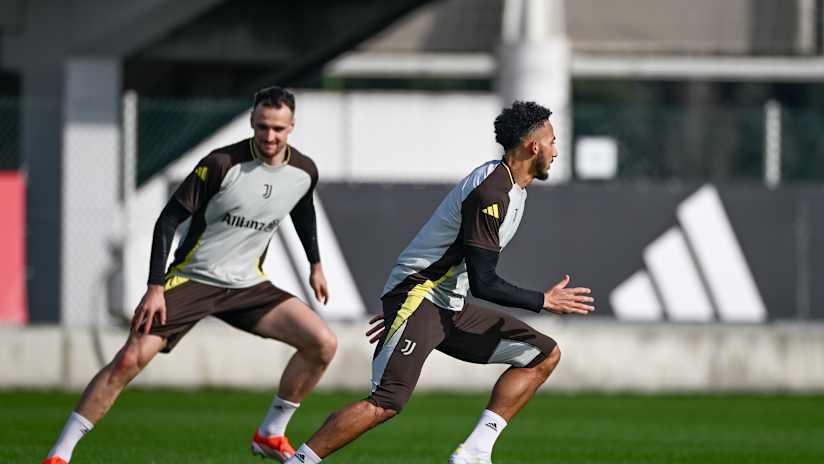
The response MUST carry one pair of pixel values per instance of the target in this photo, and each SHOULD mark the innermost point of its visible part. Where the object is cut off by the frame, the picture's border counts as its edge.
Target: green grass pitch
(216, 426)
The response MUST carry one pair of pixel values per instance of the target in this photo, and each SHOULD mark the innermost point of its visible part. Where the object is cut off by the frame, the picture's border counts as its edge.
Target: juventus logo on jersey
(408, 347)
(267, 190)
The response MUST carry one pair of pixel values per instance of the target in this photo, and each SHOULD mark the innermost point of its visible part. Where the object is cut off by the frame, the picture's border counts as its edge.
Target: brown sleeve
(482, 213)
(303, 162)
(203, 182)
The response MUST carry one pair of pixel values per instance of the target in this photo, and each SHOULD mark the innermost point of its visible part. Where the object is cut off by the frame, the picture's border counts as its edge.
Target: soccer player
(236, 197)
(423, 299)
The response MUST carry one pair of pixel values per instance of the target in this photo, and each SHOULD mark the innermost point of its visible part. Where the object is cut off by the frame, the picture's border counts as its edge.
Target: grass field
(215, 427)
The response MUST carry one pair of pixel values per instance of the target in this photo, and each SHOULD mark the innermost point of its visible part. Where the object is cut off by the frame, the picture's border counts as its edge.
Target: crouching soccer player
(236, 197)
(423, 300)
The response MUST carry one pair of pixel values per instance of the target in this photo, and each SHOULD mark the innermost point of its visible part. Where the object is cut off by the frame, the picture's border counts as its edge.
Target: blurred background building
(689, 187)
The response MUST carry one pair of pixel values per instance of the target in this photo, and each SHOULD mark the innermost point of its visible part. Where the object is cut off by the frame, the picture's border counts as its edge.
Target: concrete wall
(619, 26)
(597, 356)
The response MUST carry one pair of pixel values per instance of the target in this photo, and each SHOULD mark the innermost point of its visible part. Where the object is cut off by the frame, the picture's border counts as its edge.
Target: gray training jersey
(237, 202)
(483, 210)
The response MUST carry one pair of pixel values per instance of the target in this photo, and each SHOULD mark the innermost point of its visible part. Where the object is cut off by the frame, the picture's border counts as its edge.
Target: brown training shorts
(189, 302)
(476, 334)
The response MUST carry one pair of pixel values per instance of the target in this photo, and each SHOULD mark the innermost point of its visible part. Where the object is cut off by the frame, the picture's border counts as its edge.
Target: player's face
(272, 127)
(547, 151)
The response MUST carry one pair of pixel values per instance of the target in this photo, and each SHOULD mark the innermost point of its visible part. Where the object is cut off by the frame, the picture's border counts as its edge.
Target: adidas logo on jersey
(202, 172)
(492, 210)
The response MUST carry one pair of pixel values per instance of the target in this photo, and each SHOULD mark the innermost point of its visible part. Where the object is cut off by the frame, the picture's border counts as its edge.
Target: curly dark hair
(515, 122)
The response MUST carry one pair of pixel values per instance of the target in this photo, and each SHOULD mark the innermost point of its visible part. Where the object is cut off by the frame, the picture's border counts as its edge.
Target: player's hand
(318, 283)
(562, 300)
(378, 326)
(153, 304)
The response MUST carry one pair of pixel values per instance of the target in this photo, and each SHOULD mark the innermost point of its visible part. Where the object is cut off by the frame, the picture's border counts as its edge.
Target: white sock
(482, 438)
(304, 455)
(276, 420)
(73, 431)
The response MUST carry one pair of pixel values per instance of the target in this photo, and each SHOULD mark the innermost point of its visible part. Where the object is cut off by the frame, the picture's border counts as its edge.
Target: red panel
(12, 249)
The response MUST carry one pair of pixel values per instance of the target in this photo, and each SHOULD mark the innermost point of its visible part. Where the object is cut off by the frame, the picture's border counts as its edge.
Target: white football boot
(461, 456)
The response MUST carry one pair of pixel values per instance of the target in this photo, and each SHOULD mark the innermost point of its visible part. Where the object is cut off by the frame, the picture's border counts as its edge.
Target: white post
(129, 145)
(772, 144)
(535, 63)
(91, 175)
(807, 21)
(121, 301)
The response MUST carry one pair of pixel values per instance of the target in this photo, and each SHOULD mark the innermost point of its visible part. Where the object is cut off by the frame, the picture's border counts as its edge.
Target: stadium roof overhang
(254, 43)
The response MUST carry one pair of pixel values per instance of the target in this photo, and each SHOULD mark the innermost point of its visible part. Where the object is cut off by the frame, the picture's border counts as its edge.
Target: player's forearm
(499, 291)
(486, 284)
(164, 232)
(305, 221)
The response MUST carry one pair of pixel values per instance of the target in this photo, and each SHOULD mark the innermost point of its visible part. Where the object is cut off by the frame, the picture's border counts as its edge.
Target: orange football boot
(54, 460)
(275, 447)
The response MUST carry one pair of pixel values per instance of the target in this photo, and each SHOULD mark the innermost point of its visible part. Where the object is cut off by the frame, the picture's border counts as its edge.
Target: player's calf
(512, 391)
(340, 429)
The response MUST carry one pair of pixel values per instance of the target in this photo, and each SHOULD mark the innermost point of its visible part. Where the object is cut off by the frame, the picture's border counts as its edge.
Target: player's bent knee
(384, 414)
(126, 365)
(546, 367)
(554, 356)
(328, 347)
(387, 408)
(130, 361)
(324, 347)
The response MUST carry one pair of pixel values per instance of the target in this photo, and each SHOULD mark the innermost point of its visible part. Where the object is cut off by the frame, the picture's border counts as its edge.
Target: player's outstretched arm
(486, 284)
(562, 300)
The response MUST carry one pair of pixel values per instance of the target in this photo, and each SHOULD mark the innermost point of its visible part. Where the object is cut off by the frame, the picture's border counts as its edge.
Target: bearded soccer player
(423, 300)
(236, 197)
